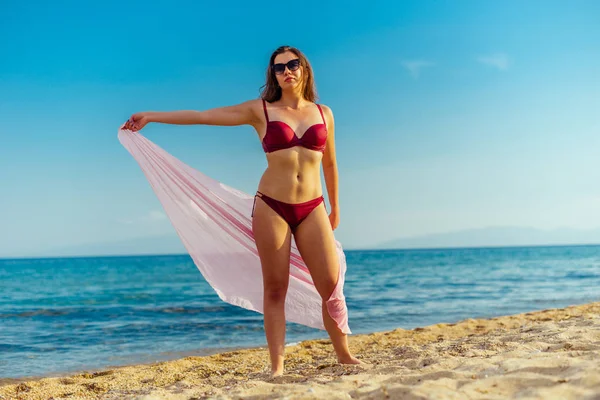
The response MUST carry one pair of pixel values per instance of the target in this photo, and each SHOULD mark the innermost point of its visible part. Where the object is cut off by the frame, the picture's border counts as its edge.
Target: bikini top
(281, 136)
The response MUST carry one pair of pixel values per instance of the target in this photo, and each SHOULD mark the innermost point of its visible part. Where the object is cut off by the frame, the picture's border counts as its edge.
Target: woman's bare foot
(349, 360)
(277, 366)
(276, 372)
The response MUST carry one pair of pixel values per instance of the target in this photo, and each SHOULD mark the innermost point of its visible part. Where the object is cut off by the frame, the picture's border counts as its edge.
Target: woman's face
(287, 78)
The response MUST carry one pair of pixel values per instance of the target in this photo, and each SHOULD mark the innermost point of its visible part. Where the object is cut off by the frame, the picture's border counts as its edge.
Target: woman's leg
(273, 238)
(316, 245)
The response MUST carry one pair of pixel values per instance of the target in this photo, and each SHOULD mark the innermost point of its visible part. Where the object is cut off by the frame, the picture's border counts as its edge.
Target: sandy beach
(550, 354)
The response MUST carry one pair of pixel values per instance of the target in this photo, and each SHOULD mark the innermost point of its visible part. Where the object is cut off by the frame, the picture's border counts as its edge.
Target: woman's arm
(240, 114)
(330, 170)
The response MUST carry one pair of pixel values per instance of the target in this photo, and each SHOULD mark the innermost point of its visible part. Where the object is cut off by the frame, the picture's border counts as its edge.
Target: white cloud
(156, 215)
(152, 217)
(497, 60)
(414, 66)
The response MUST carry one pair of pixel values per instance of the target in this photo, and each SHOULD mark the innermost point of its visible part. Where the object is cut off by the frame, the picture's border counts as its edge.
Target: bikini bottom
(293, 214)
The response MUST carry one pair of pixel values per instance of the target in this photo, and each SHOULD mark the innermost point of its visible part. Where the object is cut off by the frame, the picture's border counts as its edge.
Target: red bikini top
(280, 136)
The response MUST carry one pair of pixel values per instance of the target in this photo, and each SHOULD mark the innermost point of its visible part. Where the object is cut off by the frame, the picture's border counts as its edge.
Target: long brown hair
(272, 91)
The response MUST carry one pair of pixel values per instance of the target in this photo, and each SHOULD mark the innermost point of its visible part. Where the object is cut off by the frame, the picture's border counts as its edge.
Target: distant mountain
(165, 244)
(484, 237)
(496, 236)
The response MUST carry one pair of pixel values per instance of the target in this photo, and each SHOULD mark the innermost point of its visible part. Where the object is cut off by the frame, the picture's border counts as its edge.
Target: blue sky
(449, 115)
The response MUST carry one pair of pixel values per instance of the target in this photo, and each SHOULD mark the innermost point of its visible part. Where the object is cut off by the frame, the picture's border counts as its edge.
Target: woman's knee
(275, 292)
(325, 287)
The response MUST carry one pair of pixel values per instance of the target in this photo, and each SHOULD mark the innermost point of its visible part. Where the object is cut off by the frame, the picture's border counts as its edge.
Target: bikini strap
(322, 116)
(265, 108)
(258, 194)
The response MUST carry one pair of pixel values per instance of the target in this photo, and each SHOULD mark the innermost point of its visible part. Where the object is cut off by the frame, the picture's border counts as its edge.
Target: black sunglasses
(292, 66)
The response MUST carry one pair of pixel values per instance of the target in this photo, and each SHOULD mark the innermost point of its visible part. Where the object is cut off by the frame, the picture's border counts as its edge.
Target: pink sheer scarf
(213, 221)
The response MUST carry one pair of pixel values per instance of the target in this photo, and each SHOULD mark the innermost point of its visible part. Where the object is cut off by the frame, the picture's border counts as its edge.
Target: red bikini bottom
(293, 214)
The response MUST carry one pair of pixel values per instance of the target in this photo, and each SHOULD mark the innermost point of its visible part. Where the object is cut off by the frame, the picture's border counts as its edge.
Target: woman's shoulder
(256, 105)
(326, 111)
(325, 108)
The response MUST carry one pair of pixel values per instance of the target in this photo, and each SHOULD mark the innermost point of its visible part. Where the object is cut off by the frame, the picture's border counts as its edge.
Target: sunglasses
(292, 66)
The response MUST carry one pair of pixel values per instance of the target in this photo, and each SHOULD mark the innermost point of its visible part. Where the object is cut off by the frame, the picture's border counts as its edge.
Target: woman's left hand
(334, 219)
(137, 121)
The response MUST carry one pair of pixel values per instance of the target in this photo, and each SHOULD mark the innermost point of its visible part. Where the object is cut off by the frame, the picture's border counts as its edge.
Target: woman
(296, 135)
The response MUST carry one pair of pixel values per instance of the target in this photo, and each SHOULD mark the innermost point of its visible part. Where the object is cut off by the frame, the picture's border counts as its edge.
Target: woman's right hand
(137, 121)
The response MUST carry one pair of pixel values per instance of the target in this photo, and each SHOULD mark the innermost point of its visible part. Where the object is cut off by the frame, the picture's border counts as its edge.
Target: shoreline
(161, 357)
(540, 353)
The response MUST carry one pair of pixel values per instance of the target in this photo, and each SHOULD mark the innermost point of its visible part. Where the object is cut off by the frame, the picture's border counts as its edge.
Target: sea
(66, 315)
